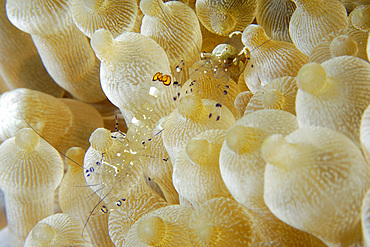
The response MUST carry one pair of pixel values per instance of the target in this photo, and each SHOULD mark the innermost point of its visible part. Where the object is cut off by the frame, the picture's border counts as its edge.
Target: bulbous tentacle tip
(101, 42)
(198, 149)
(189, 105)
(43, 234)
(278, 151)
(253, 33)
(220, 222)
(58, 230)
(360, 17)
(343, 45)
(253, 28)
(75, 152)
(206, 233)
(151, 230)
(273, 149)
(312, 78)
(223, 23)
(273, 99)
(240, 138)
(27, 139)
(100, 139)
(75, 156)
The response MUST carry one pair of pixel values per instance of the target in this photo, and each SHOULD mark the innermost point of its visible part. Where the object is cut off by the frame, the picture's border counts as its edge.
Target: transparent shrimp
(114, 178)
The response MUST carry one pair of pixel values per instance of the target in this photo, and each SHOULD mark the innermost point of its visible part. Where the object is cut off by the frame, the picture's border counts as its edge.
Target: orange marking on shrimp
(165, 79)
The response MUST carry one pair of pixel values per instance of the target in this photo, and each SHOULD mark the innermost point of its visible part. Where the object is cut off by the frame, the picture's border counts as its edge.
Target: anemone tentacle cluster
(116, 129)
